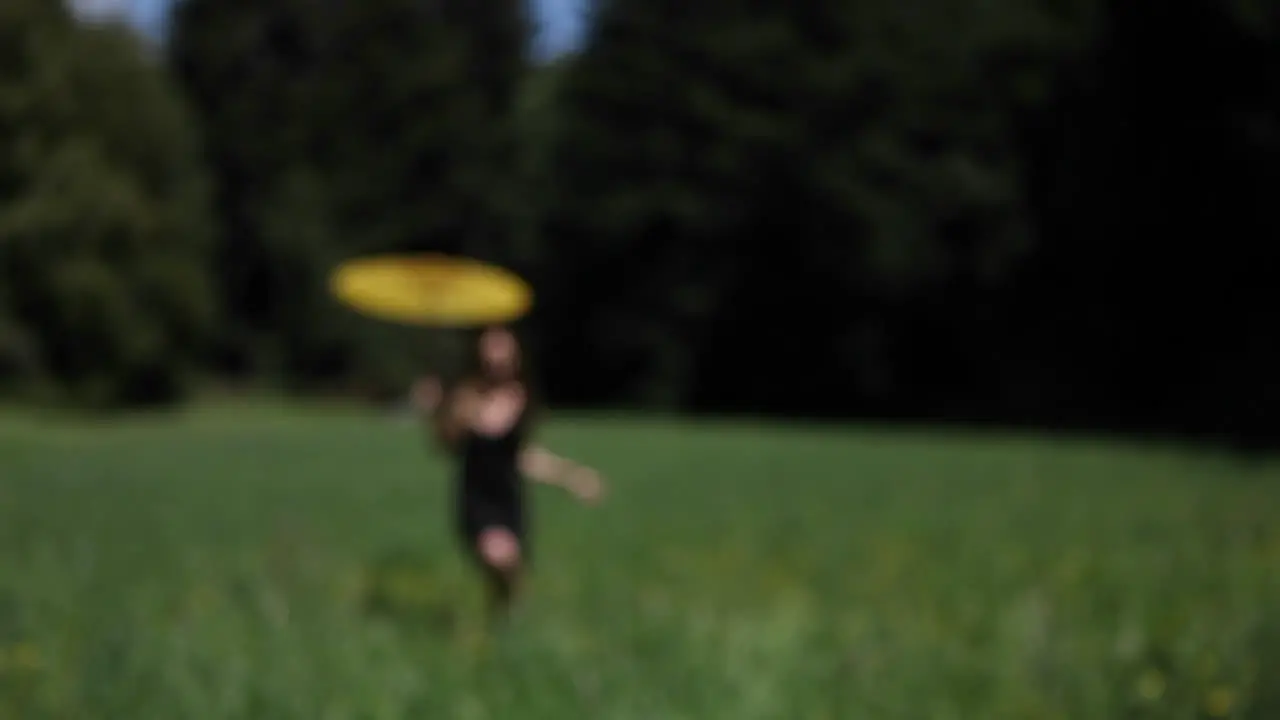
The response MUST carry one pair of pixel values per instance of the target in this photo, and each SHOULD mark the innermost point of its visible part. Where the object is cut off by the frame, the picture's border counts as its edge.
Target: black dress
(490, 493)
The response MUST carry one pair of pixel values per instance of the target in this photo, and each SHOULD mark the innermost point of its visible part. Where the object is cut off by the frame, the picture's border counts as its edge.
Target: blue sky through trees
(560, 22)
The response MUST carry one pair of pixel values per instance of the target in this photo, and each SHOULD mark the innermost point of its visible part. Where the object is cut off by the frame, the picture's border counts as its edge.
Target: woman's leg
(500, 552)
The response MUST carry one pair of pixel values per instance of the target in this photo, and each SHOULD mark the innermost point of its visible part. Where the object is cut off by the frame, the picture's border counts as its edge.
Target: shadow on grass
(410, 590)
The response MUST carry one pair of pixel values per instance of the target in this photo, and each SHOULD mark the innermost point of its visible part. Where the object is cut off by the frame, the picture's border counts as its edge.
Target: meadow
(290, 564)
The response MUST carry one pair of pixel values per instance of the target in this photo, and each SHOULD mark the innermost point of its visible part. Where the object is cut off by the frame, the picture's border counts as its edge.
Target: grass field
(272, 564)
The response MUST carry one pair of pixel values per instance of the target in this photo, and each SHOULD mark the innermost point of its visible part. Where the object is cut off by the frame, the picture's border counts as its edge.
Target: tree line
(1055, 212)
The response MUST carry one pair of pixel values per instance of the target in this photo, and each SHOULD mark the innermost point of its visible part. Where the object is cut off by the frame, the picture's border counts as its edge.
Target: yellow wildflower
(1220, 701)
(1151, 686)
(23, 656)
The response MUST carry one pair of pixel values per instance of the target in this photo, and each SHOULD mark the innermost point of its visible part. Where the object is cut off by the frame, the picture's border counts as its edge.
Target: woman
(484, 421)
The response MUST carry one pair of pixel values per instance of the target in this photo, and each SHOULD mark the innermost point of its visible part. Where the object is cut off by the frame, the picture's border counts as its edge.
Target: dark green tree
(781, 204)
(246, 68)
(1154, 176)
(338, 129)
(105, 292)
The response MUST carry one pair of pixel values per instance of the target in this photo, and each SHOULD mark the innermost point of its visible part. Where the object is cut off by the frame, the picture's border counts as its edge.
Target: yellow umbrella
(431, 290)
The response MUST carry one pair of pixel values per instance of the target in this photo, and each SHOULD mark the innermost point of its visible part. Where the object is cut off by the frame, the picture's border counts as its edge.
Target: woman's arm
(426, 395)
(444, 410)
(541, 465)
(454, 418)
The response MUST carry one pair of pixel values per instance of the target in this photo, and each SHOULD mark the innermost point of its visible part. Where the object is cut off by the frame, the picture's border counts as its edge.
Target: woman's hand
(543, 466)
(586, 484)
(427, 394)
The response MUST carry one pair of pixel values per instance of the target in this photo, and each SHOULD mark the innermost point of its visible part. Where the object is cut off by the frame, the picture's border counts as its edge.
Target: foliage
(1145, 297)
(338, 129)
(951, 211)
(1026, 211)
(826, 164)
(104, 290)
(301, 565)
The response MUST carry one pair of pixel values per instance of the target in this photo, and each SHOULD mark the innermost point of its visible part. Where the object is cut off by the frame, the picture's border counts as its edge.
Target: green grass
(271, 564)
